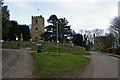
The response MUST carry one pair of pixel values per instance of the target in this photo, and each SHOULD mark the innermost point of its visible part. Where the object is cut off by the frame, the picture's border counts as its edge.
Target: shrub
(115, 50)
(108, 50)
(118, 51)
(102, 49)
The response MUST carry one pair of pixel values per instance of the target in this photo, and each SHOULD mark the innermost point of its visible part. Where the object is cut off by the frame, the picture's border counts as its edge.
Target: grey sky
(81, 14)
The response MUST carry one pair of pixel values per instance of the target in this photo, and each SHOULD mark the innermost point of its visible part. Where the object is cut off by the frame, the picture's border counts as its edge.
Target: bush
(118, 51)
(102, 49)
(115, 50)
(108, 50)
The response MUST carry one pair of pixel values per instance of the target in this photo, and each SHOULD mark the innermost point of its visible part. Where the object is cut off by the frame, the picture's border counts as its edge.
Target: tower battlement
(38, 16)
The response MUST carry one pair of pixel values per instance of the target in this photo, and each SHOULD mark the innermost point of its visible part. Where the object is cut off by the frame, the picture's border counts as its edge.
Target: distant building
(98, 41)
(104, 41)
(37, 28)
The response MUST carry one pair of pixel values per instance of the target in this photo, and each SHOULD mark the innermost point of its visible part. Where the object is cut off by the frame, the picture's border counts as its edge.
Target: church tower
(37, 28)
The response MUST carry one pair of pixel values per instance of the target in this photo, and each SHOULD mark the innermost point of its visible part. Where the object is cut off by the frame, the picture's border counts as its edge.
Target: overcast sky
(81, 14)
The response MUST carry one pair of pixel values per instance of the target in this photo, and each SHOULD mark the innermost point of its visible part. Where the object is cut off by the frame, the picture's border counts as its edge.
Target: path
(18, 64)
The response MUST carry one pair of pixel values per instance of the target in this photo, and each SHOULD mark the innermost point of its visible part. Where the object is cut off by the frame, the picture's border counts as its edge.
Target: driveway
(18, 64)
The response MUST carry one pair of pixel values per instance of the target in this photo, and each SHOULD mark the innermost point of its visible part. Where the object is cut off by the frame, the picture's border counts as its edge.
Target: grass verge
(62, 66)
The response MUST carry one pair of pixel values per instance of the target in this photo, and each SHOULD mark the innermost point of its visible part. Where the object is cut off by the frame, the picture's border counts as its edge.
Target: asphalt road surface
(104, 66)
(18, 64)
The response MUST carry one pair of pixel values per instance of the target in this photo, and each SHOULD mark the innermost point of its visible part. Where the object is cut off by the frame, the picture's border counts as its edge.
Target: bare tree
(98, 32)
(81, 32)
(87, 37)
(115, 28)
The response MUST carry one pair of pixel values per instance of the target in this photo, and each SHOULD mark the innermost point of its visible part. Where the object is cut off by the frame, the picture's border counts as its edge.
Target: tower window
(36, 21)
(36, 38)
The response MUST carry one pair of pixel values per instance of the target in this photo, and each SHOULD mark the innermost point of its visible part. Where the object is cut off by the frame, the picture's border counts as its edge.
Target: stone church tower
(37, 28)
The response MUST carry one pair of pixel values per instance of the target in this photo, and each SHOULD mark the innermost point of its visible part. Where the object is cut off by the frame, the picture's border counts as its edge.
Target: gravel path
(18, 64)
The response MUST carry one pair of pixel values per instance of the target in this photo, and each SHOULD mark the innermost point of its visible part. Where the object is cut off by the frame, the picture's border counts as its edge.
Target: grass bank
(62, 66)
(13, 44)
(50, 49)
(12, 47)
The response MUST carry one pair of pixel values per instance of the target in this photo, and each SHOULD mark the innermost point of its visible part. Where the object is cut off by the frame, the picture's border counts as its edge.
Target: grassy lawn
(66, 65)
(84, 52)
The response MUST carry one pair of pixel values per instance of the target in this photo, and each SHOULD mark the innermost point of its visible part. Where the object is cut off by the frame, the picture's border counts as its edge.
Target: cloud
(20, 5)
(87, 15)
(94, 17)
(81, 14)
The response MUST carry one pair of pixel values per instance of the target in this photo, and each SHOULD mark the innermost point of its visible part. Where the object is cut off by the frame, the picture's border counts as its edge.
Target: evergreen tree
(13, 31)
(77, 40)
(64, 31)
(25, 31)
(5, 22)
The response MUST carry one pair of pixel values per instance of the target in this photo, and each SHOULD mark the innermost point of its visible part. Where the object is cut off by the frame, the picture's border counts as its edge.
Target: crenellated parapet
(38, 16)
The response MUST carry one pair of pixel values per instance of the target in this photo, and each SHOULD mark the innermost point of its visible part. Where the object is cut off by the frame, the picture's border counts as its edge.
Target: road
(18, 64)
(104, 66)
